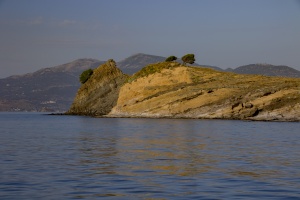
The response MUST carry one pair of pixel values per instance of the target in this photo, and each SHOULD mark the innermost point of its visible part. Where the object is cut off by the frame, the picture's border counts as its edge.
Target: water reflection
(144, 156)
(177, 148)
(97, 153)
(89, 158)
(168, 154)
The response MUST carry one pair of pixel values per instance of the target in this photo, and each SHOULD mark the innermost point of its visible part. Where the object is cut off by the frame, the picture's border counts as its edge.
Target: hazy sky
(226, 33)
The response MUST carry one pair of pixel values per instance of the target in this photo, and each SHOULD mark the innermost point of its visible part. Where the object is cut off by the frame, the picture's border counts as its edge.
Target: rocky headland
(99, 94)
(171, 90)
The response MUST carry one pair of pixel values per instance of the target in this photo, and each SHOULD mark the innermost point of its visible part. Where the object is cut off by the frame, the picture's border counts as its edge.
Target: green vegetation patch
(171, 58)
(188, 58)
(153, 68)
(85, 75)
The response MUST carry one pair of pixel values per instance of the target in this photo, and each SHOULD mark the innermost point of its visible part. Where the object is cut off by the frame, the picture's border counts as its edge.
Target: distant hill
(136, 62)
(268, 70)
(48, 89)
(211, 67)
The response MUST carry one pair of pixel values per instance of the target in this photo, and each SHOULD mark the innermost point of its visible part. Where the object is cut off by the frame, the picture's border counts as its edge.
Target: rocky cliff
(99, 94)
(176, 91)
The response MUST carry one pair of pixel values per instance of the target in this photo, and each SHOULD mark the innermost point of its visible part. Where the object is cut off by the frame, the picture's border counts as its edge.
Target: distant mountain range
(49, 89)
(53, 89)
(134, 63)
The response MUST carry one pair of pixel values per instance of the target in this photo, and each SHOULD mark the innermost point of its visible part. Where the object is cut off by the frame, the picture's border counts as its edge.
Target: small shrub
(85, 75)
(171, 58)
(188, 58)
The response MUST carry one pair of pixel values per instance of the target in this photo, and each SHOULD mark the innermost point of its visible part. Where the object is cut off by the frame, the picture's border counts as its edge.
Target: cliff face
(188, 92)
(100, 93)
(175, 91)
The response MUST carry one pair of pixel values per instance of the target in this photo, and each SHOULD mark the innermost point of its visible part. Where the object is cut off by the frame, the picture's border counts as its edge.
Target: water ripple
(64, 157)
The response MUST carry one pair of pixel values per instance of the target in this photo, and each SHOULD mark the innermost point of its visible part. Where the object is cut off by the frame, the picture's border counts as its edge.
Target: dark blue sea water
(73, 157)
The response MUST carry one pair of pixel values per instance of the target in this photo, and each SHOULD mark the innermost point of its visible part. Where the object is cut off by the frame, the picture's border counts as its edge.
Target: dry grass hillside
(172, 90)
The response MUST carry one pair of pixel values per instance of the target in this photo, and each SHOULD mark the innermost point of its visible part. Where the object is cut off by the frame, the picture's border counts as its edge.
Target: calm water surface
(73, 157)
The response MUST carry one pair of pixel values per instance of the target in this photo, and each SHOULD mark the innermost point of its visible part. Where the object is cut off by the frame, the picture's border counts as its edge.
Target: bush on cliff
(85, 75)
(171, 58)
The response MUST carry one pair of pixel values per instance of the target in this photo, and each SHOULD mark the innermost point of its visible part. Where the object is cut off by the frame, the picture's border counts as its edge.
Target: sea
(75, 157)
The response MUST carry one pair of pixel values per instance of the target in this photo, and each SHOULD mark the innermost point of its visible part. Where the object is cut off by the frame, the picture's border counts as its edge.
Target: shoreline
(175, 117)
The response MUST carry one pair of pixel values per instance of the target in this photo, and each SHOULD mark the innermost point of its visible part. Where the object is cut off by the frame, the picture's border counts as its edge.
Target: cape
(172, 90)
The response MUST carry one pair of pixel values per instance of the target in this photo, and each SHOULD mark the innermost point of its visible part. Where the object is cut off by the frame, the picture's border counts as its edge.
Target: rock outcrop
(100, 93)
(172, 90)
(188, 92)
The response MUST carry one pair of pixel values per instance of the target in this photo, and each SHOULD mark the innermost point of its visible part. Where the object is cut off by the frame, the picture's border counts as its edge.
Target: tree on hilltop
(188, 58)
(171, 58)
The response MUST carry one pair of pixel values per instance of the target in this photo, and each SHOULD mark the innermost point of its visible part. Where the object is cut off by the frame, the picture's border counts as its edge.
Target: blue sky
(226, 33)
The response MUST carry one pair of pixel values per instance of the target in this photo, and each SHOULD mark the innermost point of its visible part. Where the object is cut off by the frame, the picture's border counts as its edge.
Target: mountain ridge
(55, 85)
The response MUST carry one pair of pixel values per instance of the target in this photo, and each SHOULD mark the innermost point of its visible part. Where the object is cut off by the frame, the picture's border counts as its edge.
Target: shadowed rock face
(100, 93)
(175, 91)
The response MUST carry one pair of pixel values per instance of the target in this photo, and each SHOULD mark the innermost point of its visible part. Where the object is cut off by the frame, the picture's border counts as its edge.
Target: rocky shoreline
(271, 119)
(262, 119)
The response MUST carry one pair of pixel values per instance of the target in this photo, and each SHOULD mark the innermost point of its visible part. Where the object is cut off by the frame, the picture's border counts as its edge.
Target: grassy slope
(172, 90)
